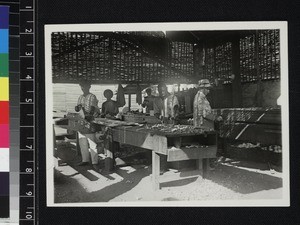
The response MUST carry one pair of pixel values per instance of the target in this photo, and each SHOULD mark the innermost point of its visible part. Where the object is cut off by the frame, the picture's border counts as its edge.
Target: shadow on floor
(68, 189)
(78, 194)
(254, 165)
(68, 156)
(243, 181)
(130, 180)
(177, 183)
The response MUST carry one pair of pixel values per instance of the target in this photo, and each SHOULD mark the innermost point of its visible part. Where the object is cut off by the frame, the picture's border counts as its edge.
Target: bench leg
(77, 145)
(199, 164)
(155, 170)
(205, 167)
(109, 160)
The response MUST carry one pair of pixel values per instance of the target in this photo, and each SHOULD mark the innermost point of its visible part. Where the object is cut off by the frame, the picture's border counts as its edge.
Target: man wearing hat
(88, 103)
(202, 107)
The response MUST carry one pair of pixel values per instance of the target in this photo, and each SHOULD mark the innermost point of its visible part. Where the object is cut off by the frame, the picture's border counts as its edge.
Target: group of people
(165, 106)
(88, 104)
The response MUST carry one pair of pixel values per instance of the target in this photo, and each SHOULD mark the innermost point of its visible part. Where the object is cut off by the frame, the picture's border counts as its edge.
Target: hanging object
(139, 95)
(120, 96)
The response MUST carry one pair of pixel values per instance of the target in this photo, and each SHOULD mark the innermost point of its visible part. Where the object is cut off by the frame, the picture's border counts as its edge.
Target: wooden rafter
(129, 41)
(79, 47)
(140, 48)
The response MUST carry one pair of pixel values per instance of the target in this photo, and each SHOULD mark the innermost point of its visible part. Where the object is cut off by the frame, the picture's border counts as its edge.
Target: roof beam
(138, 47)
(79, 47)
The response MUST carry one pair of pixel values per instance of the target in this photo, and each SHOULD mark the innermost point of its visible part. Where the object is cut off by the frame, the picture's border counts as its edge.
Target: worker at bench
(88, 103)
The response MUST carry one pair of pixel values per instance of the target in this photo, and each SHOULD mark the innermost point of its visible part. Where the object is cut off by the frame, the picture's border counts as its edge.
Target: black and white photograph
(167, 114)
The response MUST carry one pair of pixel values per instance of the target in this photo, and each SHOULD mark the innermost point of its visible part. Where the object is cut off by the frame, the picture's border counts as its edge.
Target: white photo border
(182, 26)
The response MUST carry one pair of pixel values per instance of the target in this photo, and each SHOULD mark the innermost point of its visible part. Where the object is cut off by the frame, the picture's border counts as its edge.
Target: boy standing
(88, 103)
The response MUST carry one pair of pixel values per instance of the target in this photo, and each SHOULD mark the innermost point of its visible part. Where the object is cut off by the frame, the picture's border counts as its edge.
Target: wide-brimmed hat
(204, 83)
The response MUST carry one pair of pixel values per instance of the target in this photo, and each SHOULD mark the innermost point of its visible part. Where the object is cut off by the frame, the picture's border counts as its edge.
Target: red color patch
(4, 110)
(4, 140)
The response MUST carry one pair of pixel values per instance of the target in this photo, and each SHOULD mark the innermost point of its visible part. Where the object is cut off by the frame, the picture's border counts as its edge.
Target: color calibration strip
(4, 110)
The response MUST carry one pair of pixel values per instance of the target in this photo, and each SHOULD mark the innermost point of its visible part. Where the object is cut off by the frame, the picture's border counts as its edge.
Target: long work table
(176, 143)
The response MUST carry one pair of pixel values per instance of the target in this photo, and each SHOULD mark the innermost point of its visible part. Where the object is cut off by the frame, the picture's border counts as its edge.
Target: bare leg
(93, 147)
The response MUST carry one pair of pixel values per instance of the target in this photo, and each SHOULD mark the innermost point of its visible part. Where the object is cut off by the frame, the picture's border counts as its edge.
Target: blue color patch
(4, 17)
(3, 41)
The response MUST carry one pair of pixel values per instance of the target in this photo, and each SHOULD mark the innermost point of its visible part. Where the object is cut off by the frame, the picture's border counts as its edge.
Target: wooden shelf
(184, 153)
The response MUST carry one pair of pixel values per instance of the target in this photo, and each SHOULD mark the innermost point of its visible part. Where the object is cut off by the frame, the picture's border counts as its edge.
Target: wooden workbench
(199, 145)
(176, 147)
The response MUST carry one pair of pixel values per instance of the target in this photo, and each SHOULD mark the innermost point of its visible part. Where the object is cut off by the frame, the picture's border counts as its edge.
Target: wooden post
(68, 57)
(109, 160)
(155, 170)
(55, 149)
(54, 141)
(77, 144)
(76, 38)
(259, 89)
(196, 60)
(85, 58)
(236, 83)
(205, 167)
(111, 62)
(199, 165)
(129, 102)
(215, 64)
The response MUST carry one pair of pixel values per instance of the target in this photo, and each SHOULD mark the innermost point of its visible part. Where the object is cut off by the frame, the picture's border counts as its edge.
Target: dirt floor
(230, 180)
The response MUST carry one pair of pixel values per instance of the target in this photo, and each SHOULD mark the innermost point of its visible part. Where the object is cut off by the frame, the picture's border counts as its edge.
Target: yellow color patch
(4, 89)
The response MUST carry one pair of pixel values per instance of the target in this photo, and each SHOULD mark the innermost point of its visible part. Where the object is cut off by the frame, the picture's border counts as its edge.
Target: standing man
(88, 103)
(166, 106)
(202, 107)
(169, 104)
(202, 110)
(148, 101)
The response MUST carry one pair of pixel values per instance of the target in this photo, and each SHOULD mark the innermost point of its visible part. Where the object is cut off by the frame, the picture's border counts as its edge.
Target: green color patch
(3, 65)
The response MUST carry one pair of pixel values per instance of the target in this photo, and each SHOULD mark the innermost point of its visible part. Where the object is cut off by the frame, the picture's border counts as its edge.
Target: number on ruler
(28, 77)
(29, 146)
(28, 215)
(28, 193)
(28, 100)
(28, 30)
(28, 170)
(28, 53)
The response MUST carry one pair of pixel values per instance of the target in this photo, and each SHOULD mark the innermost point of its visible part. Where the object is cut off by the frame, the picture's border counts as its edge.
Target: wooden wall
(270, 93)
(221, 97)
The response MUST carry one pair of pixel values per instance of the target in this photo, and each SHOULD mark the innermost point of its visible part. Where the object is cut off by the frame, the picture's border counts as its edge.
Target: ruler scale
(27, 113)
